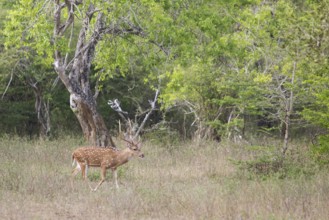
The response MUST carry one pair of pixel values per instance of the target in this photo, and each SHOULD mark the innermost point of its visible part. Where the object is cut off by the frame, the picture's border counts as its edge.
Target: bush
(268, 162)
(320, 150)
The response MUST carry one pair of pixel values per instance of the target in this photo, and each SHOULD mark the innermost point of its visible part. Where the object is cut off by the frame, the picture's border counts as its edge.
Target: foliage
(320, 150)
(225, 68)
(257, 63)
(22, 30)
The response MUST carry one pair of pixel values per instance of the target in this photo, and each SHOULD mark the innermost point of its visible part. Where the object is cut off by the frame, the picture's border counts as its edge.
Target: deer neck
(124, 156)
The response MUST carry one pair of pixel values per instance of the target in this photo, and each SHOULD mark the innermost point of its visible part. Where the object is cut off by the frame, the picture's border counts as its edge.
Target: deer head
(135, 147)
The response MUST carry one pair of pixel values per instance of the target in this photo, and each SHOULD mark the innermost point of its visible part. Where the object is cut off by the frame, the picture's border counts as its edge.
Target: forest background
(224, 69)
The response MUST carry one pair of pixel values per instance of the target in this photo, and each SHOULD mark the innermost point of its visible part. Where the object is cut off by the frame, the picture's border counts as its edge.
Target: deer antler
(132, 142)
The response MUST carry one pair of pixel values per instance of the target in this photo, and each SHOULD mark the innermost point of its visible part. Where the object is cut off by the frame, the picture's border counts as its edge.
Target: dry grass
(186, 182)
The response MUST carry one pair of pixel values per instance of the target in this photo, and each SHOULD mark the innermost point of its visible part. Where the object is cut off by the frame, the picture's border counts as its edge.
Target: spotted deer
(105, 158)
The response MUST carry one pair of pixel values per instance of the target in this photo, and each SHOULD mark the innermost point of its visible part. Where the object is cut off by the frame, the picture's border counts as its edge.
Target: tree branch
(152, 103)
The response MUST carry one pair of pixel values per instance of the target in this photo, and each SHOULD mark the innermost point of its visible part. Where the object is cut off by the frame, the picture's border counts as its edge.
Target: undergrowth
(183, 180)
(268, 162)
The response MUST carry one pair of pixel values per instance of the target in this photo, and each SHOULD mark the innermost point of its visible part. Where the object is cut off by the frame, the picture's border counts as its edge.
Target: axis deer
(105, 158)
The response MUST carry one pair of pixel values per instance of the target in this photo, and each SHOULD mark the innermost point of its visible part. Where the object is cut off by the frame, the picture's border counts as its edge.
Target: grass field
(187, 181)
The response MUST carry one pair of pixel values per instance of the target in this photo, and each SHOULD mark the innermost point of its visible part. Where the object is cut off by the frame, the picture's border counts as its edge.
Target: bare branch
(162, 48)
(10, 80)
(134, 129)
(152, 103)
(115, 105)
(69, 44)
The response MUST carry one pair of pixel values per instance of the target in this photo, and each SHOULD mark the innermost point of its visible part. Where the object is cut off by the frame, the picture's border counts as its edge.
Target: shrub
(320, 150)
(268, 162)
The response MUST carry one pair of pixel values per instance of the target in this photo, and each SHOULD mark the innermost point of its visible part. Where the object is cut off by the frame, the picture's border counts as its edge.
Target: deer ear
(139, 144)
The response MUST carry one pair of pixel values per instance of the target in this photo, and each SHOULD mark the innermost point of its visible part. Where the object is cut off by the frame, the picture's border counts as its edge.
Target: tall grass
(188, 181)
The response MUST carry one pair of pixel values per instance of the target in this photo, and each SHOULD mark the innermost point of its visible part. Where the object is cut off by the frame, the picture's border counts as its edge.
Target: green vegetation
(225, 69)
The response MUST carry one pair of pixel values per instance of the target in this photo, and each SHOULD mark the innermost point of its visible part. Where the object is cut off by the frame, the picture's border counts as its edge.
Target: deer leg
(115, 175)
(75, 171)
(103, 175)
(86, 177)
(84, 172)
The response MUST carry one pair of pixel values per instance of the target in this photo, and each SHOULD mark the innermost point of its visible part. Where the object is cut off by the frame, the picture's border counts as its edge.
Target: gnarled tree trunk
(92, 123)
(75, 74)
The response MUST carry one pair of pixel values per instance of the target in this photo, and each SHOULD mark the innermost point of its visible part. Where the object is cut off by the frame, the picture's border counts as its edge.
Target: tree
(98, 21)
(222, 63)
(214, 81)
(255, 65)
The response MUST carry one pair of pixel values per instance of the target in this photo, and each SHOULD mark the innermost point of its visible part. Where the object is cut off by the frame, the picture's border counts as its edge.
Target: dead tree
(75, 72)
(132, 127)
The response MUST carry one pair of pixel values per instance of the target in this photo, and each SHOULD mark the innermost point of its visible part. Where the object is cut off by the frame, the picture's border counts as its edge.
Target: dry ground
(189, 181)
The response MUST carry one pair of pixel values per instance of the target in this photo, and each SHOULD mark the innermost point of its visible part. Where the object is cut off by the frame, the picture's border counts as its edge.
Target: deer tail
(73, 160)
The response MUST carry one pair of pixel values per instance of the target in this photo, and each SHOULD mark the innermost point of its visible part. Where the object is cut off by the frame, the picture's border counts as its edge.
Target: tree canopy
(225, 69)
